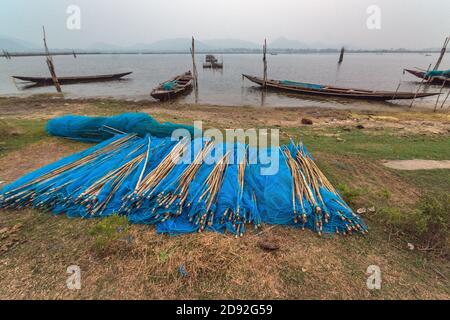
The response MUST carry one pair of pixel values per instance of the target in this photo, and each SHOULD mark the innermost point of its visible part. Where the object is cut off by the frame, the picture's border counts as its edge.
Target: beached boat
(172, 88)
(47, 81)
(331, 91)
(439, 80)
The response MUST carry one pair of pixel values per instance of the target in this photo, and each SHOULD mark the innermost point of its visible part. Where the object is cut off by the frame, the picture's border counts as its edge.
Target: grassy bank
(130, 261)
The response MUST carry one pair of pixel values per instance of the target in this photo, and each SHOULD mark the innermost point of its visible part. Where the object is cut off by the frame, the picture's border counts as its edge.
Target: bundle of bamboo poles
(146, 180)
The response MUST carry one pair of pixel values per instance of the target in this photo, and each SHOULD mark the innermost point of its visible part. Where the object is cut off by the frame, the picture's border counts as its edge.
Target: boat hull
(184, 86)
(434, 80)
(329, 91)
(46, 81)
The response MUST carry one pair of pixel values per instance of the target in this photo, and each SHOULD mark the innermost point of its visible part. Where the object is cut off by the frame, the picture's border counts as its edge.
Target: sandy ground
(417, 164)
(403, 120)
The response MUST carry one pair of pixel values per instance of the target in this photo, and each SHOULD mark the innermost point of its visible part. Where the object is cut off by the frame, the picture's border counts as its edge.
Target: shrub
(108, 231)
(348, 194)
(429, 223)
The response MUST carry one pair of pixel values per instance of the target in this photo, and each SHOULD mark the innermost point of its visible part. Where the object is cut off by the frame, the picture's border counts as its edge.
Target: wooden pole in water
(445, 100)
(50, 64)
(439, 95)
(265, 63)
(341, 57)
(418, 88)
(441, 56)
(194, 66)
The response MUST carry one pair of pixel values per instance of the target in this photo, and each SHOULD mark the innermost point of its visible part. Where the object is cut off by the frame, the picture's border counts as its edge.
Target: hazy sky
(404, 23)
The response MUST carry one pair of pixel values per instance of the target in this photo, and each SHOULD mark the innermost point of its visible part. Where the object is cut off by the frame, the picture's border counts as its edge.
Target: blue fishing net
(181, 186)
(96, 129)
(177, 186)
(169, 85)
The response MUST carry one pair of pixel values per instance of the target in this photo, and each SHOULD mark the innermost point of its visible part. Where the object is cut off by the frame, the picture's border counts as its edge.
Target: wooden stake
(265, 64)
(439, 95)
(194, 66)
(341, 57)
(418, 88)
(441, 56)
(396, 91)
(50, 64)
(445, 100)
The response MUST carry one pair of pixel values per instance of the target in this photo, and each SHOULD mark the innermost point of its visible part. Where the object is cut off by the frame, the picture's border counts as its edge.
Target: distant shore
(5, 54)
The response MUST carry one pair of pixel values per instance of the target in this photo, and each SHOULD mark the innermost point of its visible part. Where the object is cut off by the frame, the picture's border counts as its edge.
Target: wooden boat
(172, 88)
(46, 81)
(434, 80)
(213, 65)
(331, 91)
(210, 58)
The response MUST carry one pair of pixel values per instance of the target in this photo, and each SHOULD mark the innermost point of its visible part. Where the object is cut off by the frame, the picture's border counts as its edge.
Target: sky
(412, 24)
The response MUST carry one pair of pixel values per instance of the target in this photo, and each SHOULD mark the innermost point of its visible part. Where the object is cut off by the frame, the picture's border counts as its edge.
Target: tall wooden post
(50, 64)
(194, 66)
(265, 63)
(418, 88)
(441, 56)
(341, 57)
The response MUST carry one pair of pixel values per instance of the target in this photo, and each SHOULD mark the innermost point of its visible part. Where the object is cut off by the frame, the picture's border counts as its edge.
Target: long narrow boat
(439, 80)
(174, 87)
(46, 81)
(331, 91)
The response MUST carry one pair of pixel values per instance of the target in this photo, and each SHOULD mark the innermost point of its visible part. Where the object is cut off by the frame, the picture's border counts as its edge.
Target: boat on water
(332, 91)
(47, 81)
(433, 77)
(211, 62)
(174, 87)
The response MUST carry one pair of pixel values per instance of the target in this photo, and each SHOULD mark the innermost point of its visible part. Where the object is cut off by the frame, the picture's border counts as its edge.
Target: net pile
(177, 186)
(96, 129)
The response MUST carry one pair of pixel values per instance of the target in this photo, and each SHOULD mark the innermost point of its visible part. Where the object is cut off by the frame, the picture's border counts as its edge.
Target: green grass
(369, 145)
(428, 180)
(15, 134)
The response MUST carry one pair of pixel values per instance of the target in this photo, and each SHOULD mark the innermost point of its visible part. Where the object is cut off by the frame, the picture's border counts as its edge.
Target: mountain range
(175, 44)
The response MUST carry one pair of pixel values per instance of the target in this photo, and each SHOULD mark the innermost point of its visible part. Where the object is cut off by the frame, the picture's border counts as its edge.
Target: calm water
(366, 71)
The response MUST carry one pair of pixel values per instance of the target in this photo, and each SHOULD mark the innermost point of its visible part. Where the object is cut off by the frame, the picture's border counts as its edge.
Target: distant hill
(284, 43)
(231, 44)
(16, 45)
(103, 46)
(177, 44)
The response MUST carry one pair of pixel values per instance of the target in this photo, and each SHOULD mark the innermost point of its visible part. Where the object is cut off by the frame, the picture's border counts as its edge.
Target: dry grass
(134, 262)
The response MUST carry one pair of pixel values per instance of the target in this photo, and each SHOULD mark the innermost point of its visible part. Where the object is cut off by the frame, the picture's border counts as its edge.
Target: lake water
(226, 87)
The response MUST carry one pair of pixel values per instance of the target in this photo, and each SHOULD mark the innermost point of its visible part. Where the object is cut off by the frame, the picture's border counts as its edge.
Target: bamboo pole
(445, 100)
(50, 64)
(441, 56)
(439, 95)
(265, 63)
(418, 88)
(396, 91)
(341, 57)
(194, 66)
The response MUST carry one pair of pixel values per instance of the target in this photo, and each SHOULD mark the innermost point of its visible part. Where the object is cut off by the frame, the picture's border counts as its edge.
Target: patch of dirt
(32, 157)
(417, 164)
(372, 178)
(9, 238)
